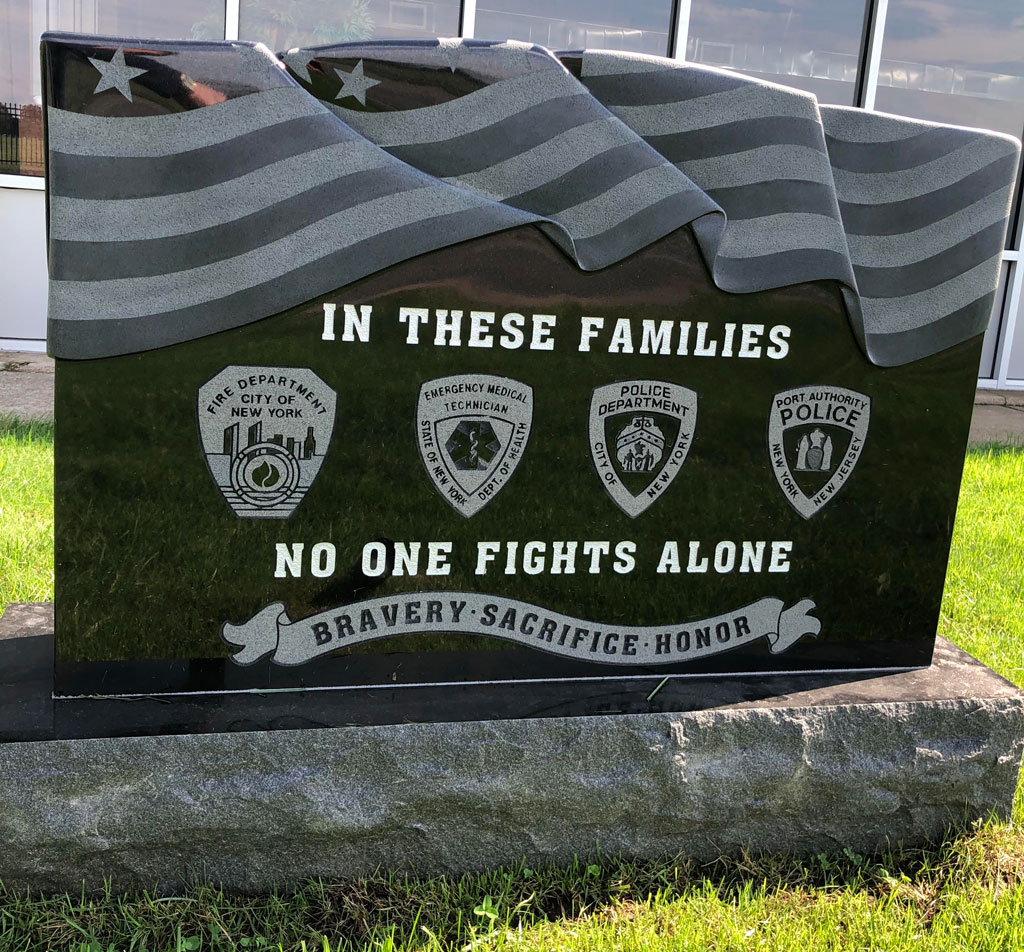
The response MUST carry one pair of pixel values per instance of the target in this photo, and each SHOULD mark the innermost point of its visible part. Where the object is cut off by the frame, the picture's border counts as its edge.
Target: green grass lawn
(966, 894)
(26, 512)
(984, 597)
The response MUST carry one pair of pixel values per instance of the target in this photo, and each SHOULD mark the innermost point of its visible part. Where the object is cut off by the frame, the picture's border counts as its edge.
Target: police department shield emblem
(815, 438)
(640, 433)
(472, 430)
(265, 432)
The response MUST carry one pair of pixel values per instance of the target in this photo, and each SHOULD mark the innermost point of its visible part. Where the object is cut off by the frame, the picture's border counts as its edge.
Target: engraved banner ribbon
(271, 632)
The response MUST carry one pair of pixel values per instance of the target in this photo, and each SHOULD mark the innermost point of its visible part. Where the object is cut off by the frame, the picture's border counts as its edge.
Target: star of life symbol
(640, 433)
(472, 430)
(473, 445)
(815, 438)
(265, 432)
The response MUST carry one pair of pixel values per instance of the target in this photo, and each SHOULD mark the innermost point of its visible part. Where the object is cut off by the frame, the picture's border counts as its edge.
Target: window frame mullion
(467, 19)
(875, 15)
(231, 14)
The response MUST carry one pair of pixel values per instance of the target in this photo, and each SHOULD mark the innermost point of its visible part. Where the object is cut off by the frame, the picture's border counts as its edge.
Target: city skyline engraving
(265, 432)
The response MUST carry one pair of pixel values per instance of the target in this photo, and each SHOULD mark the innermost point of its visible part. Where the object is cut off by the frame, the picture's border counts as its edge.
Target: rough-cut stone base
(817, 770)
(249, 810)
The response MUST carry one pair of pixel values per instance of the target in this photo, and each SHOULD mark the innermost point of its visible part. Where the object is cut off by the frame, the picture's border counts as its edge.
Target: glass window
(21, 23)
(283, 24)
(158, 19)
(21, 116)
(810, 44)
(1015, 371)
(988, 349)
(958, 61)
(641, 26)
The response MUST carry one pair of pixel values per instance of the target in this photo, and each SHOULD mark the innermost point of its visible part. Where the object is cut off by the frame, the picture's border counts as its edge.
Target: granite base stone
(255, 810)
(252, 810)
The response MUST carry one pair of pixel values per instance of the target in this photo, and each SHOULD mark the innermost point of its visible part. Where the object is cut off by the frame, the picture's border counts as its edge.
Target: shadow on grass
(392, 911)
(990, 856)
(25, 431)
(995, 449)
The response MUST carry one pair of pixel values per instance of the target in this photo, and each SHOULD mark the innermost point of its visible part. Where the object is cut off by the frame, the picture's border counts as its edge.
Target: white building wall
(22, 269)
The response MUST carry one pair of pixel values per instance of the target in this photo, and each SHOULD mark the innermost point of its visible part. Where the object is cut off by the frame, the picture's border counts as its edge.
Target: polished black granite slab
(352, 398)
(152, 565)
(29, 712)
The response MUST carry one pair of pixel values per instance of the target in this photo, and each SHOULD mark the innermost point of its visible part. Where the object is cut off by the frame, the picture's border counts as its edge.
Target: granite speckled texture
(229, 189)
(814, 771)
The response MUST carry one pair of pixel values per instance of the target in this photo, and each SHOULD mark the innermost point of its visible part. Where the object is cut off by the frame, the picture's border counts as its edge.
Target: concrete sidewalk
(26, 385)
(26, 392)
(998, 416)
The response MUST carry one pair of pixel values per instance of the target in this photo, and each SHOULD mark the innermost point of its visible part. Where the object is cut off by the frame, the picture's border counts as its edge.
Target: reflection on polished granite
(29, 712)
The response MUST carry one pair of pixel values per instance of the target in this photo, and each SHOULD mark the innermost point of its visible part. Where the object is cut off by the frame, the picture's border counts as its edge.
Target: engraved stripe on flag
(88, 335)
(480, 149)
(901, 347)
(163, 216)
(75, 133)
(705, 112)
(775, 197)
(739, 136)
(779, 269)
(666, 85)
(788, 232)
(115, 179)
(637, 192)
(892, 282)
(137, 297)
(856, 125)
(470, 113)
(878, 187)
(888, 251)
(91, 260)
(760, 164)
(895, 156)
(888, 218)
(548, 160)
(918, 310)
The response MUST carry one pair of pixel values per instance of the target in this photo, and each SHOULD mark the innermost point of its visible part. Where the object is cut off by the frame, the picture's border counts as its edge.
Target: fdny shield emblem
(265, 432)
(472, 430)
(815, 438)
(640, 433)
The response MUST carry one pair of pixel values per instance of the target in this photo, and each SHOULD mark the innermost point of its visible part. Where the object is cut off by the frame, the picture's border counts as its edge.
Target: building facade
(953, 61)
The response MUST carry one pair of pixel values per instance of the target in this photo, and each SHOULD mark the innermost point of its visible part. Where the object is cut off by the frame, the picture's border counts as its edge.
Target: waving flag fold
(196, 187)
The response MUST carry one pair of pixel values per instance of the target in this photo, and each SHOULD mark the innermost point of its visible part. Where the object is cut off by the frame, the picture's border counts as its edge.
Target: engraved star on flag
(355, 83)
(115, 74)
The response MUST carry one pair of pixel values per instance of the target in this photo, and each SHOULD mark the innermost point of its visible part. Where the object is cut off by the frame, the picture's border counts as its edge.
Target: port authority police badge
(472, 430)
(815, 437)
(265, 432)
(640, 433)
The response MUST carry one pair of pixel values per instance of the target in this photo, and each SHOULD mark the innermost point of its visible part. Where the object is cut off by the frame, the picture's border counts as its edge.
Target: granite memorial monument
(448, 362)
(470, 383)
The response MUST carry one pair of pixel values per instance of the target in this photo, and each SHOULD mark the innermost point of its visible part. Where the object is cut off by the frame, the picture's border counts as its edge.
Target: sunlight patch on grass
(983, 605)
(26, 512)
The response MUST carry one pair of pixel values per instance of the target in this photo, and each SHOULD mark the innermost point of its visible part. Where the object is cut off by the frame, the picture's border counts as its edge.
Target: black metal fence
(21, 139)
